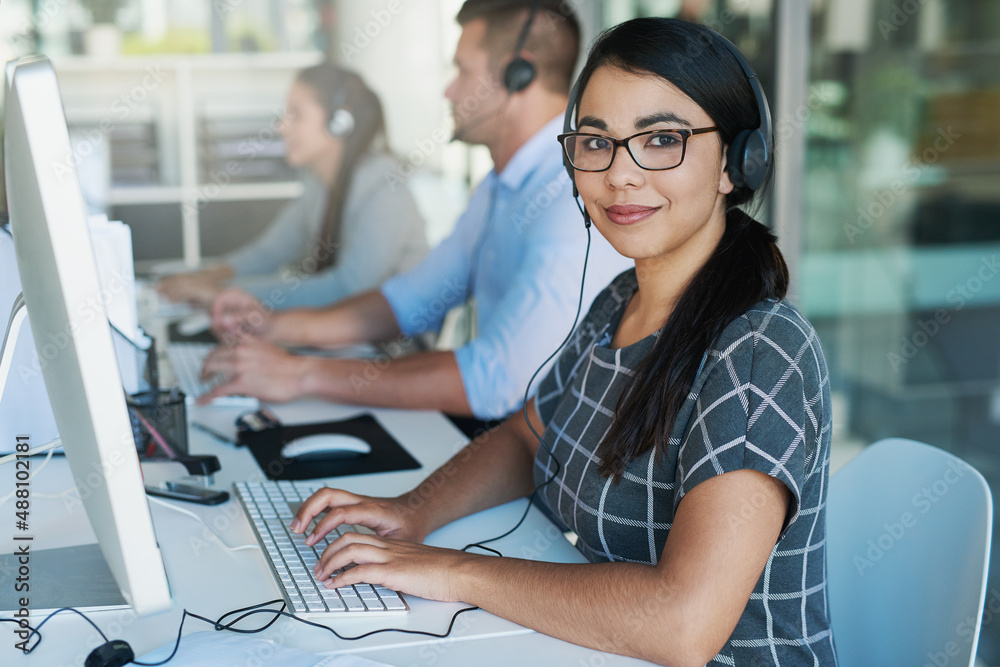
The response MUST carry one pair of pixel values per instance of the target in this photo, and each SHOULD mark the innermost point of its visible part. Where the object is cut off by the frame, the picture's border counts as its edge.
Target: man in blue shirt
(518, 249)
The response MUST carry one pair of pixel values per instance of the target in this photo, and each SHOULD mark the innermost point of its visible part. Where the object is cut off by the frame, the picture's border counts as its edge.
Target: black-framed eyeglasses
(654, 150)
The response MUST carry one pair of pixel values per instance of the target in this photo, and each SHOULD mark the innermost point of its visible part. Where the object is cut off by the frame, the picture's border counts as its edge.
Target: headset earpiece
(748, 152)
(341, 123)
(518, 75)
(751, 152)
(756, 159)
(735, 156)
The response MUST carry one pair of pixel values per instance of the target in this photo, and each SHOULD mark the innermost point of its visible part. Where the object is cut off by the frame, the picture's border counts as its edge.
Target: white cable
(48, 457)
(197, 518)
(40, 449)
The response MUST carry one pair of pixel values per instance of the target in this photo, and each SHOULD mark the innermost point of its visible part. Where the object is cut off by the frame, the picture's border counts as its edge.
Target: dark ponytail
(745, 268)
(746, 265)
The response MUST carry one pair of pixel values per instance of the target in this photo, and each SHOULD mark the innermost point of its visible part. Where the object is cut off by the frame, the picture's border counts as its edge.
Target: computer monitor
(64, 300)
(12, 65)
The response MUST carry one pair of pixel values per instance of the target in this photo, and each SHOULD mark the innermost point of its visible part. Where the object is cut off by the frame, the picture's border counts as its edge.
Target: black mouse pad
(386, 455)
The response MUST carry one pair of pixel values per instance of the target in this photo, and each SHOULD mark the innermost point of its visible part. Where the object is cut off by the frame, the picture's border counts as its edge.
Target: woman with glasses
(685, 426)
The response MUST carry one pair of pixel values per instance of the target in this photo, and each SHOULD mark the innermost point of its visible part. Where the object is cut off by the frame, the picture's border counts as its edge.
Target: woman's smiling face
(652, 214)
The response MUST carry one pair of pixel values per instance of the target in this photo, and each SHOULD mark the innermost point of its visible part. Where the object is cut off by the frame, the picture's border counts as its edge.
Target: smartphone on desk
(188, 492)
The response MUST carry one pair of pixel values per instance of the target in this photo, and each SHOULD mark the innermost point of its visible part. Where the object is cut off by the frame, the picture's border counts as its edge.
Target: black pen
(215, 434)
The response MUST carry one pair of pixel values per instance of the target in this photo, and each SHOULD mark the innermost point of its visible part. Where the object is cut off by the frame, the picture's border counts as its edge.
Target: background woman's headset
(342, 121)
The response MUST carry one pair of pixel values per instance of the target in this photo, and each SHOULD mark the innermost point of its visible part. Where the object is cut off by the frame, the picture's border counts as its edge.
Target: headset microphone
(461, 133)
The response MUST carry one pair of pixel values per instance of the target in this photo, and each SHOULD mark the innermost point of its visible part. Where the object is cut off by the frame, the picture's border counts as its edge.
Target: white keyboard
(271, 507)
(186, 360)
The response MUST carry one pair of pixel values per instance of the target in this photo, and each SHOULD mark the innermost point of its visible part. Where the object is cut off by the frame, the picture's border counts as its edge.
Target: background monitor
(63, 295)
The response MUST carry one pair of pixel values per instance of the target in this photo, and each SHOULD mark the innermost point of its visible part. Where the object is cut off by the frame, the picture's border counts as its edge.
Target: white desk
(208, 580)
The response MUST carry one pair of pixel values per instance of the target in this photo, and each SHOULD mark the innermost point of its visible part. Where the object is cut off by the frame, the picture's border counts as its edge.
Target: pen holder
(163, 412)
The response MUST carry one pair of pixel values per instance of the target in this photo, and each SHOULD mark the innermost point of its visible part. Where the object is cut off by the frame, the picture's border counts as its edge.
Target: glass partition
(900, 224)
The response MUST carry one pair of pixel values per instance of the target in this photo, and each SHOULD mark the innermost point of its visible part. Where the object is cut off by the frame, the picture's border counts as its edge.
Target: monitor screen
(64, 300)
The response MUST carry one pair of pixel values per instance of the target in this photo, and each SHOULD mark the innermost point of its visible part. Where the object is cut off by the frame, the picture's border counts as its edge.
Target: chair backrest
(908, 540)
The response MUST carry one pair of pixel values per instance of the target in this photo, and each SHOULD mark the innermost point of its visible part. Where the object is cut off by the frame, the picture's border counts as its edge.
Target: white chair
(908, 542)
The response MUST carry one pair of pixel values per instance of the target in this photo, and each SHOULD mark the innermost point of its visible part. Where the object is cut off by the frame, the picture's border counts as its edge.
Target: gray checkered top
(761, 401)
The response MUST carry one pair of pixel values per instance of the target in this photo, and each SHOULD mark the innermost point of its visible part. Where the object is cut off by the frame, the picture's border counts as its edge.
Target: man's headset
(751, 152)
(519, 73)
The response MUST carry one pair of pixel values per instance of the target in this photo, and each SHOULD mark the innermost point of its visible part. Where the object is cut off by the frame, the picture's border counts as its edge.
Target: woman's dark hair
(746, 265)
(339, 88)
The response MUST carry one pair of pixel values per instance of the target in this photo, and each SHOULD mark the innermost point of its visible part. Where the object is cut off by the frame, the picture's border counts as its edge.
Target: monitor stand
(76, 577)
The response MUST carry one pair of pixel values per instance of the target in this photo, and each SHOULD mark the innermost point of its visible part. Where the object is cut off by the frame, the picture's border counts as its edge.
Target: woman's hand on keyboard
(389, 517)
(432, 573)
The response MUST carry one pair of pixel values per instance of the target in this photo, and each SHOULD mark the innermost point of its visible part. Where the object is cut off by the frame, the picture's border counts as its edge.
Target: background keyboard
(186, 360)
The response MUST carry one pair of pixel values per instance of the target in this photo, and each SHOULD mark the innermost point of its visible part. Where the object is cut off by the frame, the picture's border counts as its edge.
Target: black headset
(520, 72)
(750, 153)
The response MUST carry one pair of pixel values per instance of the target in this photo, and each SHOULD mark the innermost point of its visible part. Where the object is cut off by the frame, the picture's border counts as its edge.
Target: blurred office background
(887, 200)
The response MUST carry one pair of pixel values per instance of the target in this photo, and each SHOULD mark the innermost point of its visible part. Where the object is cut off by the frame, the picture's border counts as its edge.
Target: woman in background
(348, 232)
